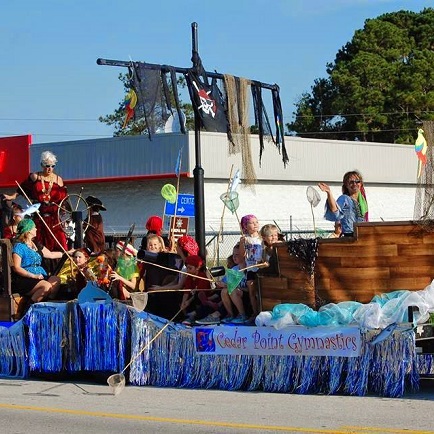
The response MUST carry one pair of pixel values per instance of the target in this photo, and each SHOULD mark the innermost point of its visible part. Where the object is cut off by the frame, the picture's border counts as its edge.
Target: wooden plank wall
(293, 285)
(382, 257)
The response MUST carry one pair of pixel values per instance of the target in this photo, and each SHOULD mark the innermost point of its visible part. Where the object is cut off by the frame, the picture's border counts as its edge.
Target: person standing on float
(47, 188)
(351, 207)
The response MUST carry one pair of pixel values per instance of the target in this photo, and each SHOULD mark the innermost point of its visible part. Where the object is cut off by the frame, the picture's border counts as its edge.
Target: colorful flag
(178, 163)
(130, 104)
(235, 181)
(420, 148)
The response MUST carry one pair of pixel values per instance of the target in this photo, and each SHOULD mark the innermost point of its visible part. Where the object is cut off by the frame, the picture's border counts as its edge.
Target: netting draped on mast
(424, 200)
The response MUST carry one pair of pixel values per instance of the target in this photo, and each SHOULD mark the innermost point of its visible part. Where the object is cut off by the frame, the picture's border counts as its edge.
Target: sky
(52, 88)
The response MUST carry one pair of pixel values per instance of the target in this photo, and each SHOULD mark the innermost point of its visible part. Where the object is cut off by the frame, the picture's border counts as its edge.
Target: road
(54, 407)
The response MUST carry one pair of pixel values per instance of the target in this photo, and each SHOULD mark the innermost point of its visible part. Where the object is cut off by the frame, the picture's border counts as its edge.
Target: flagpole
(198, 172)
(178, 176)
(219, 236)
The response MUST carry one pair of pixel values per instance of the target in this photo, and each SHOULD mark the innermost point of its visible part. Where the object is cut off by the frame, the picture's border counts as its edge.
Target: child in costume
(270, 235)
(126, 272)
(206, 304)
(10, 231)
(94, 237)
(148, 273)
(83, 273)
(251, 250)
(235, 298)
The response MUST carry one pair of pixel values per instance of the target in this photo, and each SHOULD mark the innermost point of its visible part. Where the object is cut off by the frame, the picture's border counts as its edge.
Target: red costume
(94, 236)
(8, 232)
(49, 194)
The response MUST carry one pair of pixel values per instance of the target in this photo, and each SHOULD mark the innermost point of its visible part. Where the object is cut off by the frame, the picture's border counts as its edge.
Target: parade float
(339, 316)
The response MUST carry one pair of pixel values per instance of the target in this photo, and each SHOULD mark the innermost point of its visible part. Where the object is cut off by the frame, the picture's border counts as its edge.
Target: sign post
(179, 227)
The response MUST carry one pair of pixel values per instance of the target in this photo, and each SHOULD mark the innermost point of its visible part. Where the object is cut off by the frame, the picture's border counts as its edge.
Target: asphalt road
(54, 407)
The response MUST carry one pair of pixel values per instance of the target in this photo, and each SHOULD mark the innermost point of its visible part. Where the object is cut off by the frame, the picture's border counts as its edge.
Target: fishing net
(169, 193)
(231, 200)
(140, 300)
(233, 279)
(116, 383)
(239, 129)
(314, 199)
(313, 196)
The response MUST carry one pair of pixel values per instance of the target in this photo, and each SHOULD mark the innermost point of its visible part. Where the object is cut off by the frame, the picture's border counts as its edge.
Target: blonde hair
(155, 237)
(267, 230)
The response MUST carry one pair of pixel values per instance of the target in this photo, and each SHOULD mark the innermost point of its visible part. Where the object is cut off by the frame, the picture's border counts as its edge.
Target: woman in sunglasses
(351, 207)
(47, 188)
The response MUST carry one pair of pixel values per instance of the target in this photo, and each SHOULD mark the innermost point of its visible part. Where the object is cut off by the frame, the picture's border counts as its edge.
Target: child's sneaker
(227, 320)
(208, 320)
(188, 322)
(240, 319)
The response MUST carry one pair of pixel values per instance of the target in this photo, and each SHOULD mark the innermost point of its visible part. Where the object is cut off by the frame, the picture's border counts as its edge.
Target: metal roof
(129, 157)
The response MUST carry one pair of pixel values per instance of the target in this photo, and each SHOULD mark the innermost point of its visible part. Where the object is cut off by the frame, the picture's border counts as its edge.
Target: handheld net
(314, 199)
(140, 300)
(231, 201)
(168, 192)
(233, 279)
(116, 382)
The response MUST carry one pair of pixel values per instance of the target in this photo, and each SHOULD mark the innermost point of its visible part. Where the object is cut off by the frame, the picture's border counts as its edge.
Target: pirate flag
(207, 100)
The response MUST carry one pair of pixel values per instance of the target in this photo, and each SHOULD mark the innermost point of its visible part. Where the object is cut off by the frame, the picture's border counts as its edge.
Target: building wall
(127, 174)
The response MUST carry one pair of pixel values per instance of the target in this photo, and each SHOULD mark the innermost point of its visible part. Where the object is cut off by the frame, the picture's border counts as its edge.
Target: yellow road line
(372, 429)
(342, 430)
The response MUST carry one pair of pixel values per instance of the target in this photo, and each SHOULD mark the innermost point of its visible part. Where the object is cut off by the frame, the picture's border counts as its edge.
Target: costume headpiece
(94, 202)
(245, 220)
(129, 249)
(25, 225)
(188, 244)
(154, 224)
(194, 260)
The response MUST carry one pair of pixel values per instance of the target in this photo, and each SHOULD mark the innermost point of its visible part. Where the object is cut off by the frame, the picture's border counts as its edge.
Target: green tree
(380, 85)
(138, 127)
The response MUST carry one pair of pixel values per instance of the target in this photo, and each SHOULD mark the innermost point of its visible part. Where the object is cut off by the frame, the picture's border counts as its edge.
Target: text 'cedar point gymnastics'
(290, 341)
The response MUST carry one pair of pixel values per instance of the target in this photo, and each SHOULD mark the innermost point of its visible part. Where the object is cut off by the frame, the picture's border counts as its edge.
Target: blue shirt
(347, 213)
(31, 260)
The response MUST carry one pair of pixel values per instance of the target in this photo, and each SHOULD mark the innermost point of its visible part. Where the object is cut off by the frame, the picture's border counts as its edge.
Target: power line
(354, 132)
(7, 133)
(363, 114)
(50, 119)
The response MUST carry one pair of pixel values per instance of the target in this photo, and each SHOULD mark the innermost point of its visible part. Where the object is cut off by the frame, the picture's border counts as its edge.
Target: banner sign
(290, 341)
(185, 206)
(179, 227)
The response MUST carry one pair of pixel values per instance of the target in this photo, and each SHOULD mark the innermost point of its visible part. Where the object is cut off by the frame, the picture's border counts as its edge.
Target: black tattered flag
(207, 100)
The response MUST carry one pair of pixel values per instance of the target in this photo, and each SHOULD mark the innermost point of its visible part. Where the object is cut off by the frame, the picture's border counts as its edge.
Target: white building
(127, 174)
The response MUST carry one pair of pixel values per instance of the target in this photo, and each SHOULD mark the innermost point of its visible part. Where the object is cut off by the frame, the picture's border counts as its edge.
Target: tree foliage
(380, 85)
(139, 126)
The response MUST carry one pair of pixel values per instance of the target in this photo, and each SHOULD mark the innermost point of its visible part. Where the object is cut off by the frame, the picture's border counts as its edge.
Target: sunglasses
(50, 165)
(354, 182)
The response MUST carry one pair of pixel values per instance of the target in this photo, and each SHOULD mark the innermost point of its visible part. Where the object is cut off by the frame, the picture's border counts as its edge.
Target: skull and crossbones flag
(207, 100)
